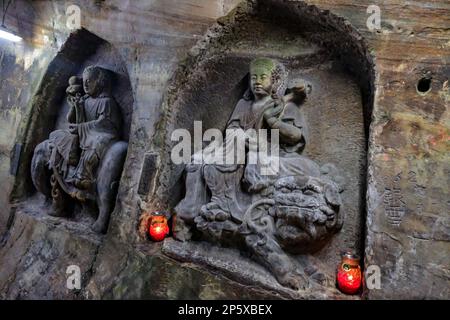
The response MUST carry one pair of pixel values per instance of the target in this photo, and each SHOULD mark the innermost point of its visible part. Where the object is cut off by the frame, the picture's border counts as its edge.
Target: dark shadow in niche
(49, 105)
(317, 47)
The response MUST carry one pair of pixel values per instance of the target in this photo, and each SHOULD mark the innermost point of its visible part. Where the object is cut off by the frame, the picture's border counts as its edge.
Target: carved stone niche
(327, 60)
(77, 137)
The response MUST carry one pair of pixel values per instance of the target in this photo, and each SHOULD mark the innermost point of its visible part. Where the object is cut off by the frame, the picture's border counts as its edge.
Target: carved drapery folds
(84, 162)
(294, 209)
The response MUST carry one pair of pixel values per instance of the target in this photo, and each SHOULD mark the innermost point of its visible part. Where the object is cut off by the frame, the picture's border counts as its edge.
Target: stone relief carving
(294, 211)
(84, 163)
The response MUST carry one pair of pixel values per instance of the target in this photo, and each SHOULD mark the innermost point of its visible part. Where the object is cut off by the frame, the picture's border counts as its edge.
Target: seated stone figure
(73, 156)
(294, 209)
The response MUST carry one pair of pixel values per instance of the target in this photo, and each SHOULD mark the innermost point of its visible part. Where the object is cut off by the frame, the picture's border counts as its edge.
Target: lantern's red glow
(349, 275)
(159, 227)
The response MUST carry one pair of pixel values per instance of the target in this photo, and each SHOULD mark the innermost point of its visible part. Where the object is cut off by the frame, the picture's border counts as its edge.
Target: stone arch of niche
(316, 46)
(49, 106)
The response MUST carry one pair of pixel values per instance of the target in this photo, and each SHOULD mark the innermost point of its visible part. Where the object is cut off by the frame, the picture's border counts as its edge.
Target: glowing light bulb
(7, 35)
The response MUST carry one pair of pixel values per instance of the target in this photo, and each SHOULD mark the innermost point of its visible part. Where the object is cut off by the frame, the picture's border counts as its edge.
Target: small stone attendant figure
(75, 88)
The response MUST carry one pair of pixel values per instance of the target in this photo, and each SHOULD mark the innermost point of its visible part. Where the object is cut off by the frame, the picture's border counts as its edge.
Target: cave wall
(409, 165)
(407, 227)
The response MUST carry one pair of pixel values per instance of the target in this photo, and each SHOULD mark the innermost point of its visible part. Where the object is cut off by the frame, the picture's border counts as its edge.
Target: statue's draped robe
(224, 181)
(291, 163)
(99, 126)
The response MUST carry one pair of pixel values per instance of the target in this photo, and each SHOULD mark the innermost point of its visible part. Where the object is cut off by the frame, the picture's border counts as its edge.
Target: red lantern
(349, 275)
(159, 227)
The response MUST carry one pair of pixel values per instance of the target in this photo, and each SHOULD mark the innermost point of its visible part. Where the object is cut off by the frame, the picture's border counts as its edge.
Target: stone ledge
(78, 224)
(38, 250)
(230, 264)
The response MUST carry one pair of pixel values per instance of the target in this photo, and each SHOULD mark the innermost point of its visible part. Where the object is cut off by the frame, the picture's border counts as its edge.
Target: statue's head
(267, 78)
(95, 80)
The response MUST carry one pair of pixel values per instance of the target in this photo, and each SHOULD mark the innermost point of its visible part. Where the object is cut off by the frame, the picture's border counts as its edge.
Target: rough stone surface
(39, 251)
(407, 224)
(229, 262)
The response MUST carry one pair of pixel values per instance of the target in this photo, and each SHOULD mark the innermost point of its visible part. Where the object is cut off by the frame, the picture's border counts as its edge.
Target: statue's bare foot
(212, 212)
(99, 227)
(257, 187)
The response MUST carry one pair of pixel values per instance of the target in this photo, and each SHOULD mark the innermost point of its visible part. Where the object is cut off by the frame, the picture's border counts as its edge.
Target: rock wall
(409, 160)
(407, 223)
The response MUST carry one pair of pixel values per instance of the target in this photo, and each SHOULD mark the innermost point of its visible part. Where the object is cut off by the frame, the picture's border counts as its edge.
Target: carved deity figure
(294, 209)
(74, 155)
(96, 120)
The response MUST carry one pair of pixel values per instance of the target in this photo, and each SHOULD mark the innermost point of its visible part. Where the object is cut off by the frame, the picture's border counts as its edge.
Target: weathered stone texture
(407, 223)
(409, 158)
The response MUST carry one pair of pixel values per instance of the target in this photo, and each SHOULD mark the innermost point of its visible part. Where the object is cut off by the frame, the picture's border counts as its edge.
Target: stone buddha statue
(294, 208)
(97, 121)
(73, 156)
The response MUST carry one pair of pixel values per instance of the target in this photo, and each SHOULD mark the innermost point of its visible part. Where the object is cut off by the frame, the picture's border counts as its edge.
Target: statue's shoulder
(241, 108)
(244, 102)
(105, 97)
(243, 105)
(107, 100)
